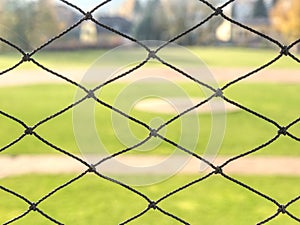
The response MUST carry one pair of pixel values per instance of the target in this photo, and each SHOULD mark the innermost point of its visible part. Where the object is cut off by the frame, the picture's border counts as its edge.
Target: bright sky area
(88, 4)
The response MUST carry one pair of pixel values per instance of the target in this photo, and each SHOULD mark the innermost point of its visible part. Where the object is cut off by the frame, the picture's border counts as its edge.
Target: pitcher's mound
(178, 105)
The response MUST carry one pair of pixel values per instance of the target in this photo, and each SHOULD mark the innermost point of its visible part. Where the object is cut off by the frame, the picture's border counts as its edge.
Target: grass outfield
(92, 200)
(244, 131)
(213, 57)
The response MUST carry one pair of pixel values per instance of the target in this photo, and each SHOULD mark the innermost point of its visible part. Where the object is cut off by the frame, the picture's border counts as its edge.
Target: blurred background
(32, 91)
(29, 23)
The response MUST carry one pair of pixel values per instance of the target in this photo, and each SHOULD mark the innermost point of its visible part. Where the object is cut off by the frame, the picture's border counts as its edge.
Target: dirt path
(53, 164)
(221, 75)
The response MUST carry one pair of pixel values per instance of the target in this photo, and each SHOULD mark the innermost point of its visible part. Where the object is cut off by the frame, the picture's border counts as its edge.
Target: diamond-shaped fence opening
(149, 204)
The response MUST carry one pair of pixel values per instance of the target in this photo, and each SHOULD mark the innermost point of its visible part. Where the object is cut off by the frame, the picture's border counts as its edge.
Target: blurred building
(88, 33)
(107, 38)
(127, 9)
(242, 11)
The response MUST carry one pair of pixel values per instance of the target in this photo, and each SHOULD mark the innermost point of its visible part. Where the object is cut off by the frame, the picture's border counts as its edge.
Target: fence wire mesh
(217, 170)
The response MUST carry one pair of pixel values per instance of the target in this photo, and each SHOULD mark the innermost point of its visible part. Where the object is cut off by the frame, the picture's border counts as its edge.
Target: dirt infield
(53, 164)
(221, 75)
(18, 165)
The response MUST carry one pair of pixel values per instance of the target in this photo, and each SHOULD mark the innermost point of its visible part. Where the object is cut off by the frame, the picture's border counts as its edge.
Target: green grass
(243, 131)
(242, 57)
(92, 200)
(213, 57)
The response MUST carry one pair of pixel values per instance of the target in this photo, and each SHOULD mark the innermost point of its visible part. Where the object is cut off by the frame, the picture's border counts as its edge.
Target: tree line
(32, 22)
(28, 23)
(162, 20)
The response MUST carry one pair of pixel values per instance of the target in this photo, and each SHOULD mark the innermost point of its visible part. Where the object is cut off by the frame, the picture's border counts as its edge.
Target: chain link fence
(217, 170)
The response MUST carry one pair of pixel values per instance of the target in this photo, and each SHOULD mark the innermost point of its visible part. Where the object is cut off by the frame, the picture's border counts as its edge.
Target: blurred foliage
(162, 20)
(28, 23)
(285, 17)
